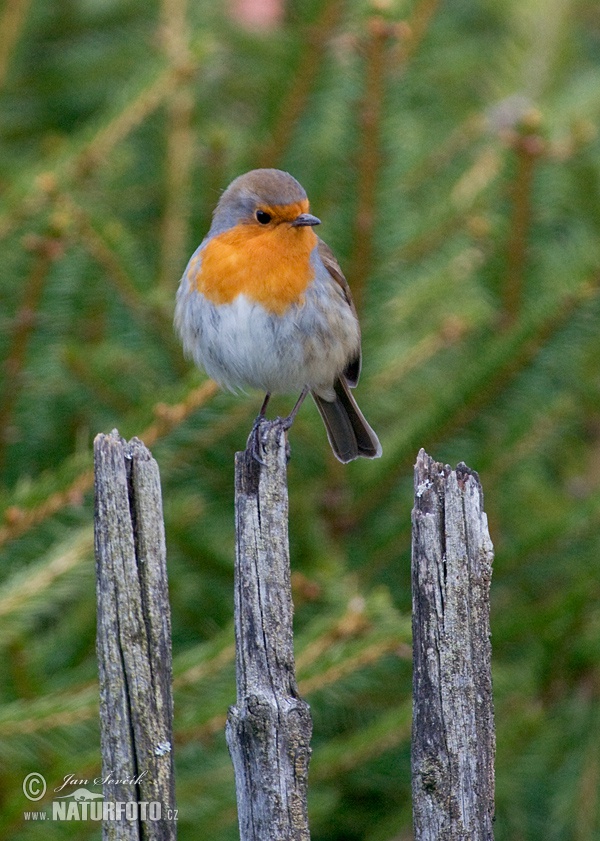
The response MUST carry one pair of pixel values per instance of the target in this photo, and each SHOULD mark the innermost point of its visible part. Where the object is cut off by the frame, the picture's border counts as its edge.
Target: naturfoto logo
(83, 804)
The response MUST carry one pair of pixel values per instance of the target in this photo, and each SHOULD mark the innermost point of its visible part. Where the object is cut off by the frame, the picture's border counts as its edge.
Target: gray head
(259, 195)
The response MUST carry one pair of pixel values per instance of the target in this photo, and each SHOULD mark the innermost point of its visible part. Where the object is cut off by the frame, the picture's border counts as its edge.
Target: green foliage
(452, 153)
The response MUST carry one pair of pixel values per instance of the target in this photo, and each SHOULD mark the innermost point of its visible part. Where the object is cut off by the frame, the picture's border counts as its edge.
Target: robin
(263, 304)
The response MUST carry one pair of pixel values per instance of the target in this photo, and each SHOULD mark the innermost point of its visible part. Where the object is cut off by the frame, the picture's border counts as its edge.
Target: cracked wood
(133, 638)
(269, 728)
(453, 741)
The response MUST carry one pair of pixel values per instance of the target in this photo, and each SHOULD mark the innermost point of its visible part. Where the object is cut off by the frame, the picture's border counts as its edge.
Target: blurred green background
(452, 153)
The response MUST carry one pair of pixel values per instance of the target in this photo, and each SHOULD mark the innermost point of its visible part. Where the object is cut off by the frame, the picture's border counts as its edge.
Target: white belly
(243, 345)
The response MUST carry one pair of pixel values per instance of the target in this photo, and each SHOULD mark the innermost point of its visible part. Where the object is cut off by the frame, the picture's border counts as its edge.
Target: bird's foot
(254, 444)
(258, 434)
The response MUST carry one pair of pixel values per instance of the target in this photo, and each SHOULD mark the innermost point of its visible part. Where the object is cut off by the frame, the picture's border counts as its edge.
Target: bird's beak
(305, 220)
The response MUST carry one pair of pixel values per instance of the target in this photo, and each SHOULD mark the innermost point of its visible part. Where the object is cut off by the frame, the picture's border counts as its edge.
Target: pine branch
(509, 354)
(297, 98)
(35, 591)
(180, 145)
(150, 316)
(19, 520)
(90, 149)
(46, 251)
(12, 23)
(371, 110)
(527, 148)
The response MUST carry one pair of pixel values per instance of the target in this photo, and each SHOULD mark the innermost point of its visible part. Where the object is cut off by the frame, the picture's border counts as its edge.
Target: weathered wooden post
(133, 643)
(453, 740)
(269, 728)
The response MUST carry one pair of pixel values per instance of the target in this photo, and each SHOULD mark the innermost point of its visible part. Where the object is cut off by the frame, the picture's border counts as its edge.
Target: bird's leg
(253, 440)
(253, 444)
(287, 422)
(263, 408)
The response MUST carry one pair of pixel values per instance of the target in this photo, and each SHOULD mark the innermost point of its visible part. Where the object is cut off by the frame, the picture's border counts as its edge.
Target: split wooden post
(269, 728)
(133, 642)
(453, 739)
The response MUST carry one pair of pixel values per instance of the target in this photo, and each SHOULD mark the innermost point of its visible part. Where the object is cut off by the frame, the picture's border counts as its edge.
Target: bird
(264, 304)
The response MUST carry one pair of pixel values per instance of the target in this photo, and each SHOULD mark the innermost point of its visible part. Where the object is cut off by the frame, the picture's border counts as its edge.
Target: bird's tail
(349, 433)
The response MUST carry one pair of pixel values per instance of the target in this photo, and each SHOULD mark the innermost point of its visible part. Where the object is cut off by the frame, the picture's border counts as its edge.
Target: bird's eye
(263, 217)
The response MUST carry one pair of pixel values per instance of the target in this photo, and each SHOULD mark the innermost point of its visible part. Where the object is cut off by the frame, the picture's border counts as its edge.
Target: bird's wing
(352, 370)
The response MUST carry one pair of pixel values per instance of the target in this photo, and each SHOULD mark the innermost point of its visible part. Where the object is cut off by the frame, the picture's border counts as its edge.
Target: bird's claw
(254, 443)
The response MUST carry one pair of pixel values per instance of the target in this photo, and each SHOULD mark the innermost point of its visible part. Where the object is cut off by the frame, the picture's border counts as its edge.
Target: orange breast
(271, 266)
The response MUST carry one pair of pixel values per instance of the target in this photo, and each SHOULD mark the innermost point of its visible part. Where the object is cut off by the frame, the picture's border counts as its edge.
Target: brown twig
(391, 729)
(101, 387)
(353, 663)
(378, 60)
(297, 97)
(180, 145)
(450, 332)
(11, 24)
(47, 249)
(438, 231)
(527, 147)
(459, 140)
(169, 417)
(450, 418)
(87, 153)
(134, 112)
(371, 113)
(151, 316)
(416, 29)
(18, 520)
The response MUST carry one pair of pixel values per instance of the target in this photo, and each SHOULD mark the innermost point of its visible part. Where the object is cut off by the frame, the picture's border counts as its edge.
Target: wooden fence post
(269, 728)
(133, 642)
(453, 739)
